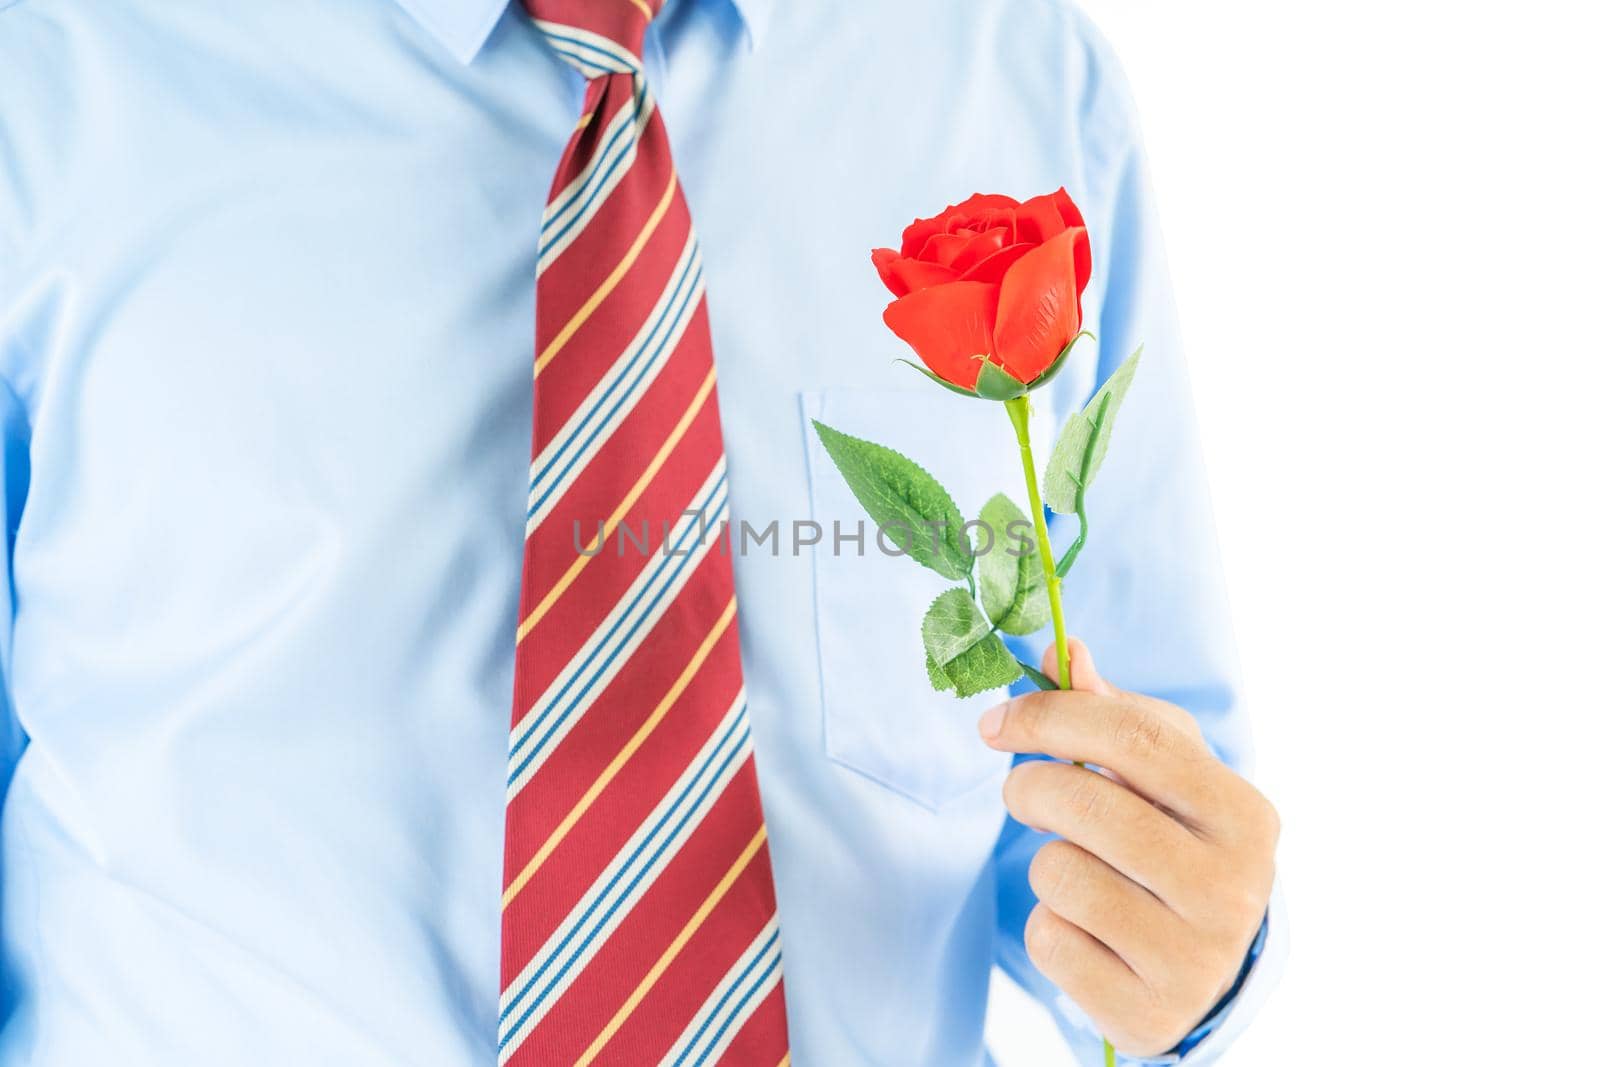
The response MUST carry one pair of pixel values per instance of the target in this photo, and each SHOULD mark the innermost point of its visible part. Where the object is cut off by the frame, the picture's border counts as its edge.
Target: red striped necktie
(639, 923)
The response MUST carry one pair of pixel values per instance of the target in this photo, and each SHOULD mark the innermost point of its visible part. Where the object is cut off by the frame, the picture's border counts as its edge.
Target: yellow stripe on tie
(785, 1061)
(622, 509)
(622, 757)
(560, 340)
(673, 949)
(642, 6)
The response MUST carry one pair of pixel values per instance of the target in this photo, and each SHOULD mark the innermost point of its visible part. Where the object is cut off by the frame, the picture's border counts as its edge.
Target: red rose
(990, 281)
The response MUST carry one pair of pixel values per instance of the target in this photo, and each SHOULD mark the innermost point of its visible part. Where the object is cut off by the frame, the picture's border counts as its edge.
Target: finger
(1112, 822)
(1170, 767)
(1173, 769)
(1085, 678)
(1123, 915)
(1096, 979)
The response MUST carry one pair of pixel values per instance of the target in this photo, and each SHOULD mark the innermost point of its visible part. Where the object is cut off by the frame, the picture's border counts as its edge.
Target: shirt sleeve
(14, 476)
(1146, 594)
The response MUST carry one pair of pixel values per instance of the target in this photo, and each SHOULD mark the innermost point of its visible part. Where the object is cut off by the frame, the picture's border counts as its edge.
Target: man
(274, 279)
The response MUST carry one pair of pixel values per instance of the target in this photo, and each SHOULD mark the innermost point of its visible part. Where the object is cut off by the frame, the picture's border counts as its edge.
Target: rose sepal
(932, 377)
(1060, 361)
(995, 382)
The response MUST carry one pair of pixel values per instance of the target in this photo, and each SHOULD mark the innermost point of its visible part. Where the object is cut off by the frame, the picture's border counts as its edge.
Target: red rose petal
(913, 274)
(1038, 311)
(946, 248)
(994, 267)
(915, 236)
(902, 275)
(980, 202)
(884, 259)
(1039, 219)
(978, 249)
(949, 326)
(1068, 209)
(1082, 264)
(914, 239)
(1082, 261)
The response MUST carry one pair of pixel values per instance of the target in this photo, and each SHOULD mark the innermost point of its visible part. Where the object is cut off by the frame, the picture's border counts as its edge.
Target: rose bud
(990, 291)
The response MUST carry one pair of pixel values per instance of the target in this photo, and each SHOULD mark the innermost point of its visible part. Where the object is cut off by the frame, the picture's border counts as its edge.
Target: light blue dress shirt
(266, 312)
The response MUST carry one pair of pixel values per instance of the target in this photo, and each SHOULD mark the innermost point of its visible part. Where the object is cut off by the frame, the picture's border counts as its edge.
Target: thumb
(1085, 677)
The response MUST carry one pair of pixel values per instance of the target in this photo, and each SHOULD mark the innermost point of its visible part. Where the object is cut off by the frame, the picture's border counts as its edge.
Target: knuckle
(1222, 964)
(1053, 870)
(1042, 939)
(1020, 783)
(1246, 908)
(1261, 828)
(1029, 721)
(1085, 795)
(1140, 732)
(1166, 1028)
(1162, 1021)
(1270, 825)
(1237, 904)
(1187, 724)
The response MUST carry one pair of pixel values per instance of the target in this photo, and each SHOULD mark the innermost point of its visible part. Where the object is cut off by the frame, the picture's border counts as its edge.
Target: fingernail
(989, 725)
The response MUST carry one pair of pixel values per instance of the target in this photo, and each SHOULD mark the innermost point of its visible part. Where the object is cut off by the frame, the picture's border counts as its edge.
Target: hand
(1149, 904)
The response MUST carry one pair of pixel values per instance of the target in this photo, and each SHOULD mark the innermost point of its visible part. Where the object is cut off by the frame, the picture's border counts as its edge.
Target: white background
(1383, 231)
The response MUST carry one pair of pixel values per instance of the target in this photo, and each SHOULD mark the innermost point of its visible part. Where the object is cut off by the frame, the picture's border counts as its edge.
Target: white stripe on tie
(626, 879)
(602, 183)
(597, 50)
(562, 459)
(617, 140)
(739, 993)
(585, 676)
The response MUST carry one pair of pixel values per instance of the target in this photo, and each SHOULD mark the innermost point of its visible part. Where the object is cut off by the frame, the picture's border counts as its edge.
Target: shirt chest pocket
(881, 717)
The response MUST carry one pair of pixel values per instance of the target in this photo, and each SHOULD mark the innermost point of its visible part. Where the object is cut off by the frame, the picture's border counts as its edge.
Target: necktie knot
(598, 37)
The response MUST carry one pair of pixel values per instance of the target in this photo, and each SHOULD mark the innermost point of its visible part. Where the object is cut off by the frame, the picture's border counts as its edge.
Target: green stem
(1018, 410)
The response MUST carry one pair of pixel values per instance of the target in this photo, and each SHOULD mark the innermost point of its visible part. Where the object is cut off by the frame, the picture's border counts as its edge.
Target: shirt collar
(463, 26)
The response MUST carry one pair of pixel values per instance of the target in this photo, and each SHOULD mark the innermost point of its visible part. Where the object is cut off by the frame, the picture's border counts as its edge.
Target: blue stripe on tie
(734, 987)
(690, 277)
(711, 509)
(645, 352)
(619, 55)
(683, 561)
(736, 1009)
(617, 135)
(593, 194)
(741, 728)
(729, 730)
(587, 69)
(715, 510)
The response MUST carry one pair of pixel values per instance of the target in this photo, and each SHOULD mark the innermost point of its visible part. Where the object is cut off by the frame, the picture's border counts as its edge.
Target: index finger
(1163, 763)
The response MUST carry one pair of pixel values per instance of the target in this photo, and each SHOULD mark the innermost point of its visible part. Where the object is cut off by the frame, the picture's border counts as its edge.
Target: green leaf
(986, 665)
(939, 679)
(996, 383)
(1081, 448)
(1038, 677)
(1011, 586)
(952, 625)
(961, 648)
(912, 509)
